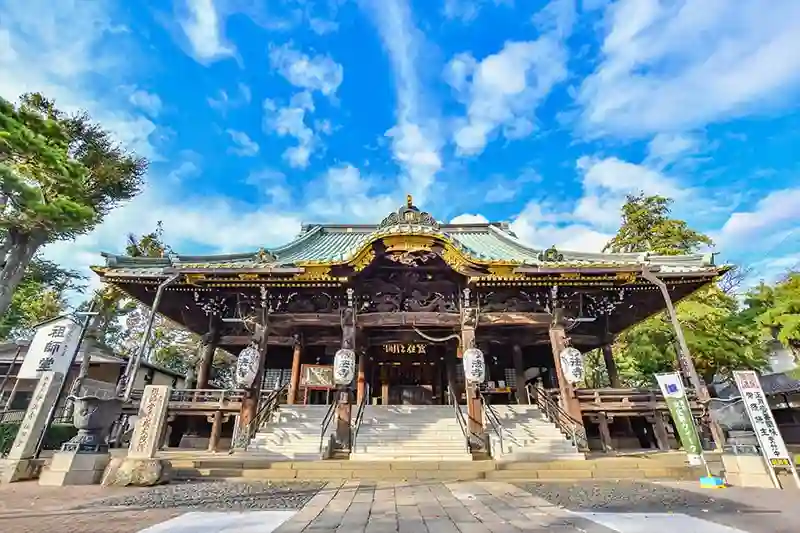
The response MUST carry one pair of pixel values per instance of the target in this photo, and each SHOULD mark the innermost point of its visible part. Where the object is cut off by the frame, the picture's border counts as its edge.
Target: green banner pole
(678, 405)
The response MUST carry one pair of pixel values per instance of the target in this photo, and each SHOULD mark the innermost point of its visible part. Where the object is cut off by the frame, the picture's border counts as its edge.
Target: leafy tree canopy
(720, 339)
(647, 227)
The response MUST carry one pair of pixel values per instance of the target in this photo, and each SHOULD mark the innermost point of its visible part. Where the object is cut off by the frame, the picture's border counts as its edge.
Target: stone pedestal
(21, 465)
(746, 471)
(73, 468)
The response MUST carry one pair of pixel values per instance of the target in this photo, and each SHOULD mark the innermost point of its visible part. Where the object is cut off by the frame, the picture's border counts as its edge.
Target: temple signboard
(320, 376)
(397, 348)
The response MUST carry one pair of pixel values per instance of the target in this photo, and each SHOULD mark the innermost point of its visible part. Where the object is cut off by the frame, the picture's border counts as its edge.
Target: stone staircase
(410, 433)
(293, 433)
(528, 436)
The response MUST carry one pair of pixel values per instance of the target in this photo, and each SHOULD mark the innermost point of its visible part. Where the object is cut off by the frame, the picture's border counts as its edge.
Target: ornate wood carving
(512, 300)
(408, 290)
(305, 302)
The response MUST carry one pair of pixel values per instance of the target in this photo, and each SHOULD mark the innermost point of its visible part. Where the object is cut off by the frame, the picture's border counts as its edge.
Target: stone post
(141, 467)
(21, 463)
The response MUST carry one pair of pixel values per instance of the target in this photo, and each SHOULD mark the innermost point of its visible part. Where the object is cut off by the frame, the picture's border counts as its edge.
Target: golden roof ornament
(409, 214)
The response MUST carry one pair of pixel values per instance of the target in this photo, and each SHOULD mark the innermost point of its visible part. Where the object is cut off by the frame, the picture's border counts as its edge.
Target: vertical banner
(678, 404)
(770, 440)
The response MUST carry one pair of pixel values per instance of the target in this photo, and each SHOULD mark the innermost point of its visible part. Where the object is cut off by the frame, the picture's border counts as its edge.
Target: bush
(56, 436)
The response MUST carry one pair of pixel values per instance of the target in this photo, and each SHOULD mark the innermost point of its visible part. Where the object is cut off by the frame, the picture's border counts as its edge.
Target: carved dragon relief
(302, 302)
(512, 300)
(408, 291)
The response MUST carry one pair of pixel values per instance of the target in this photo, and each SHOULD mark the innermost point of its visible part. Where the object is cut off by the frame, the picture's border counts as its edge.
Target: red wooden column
(361, 377)
(294, 380)
(249, 408)
(558, 342)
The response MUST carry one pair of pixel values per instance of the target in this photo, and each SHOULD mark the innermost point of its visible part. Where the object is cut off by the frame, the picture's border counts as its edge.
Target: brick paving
(420, 507)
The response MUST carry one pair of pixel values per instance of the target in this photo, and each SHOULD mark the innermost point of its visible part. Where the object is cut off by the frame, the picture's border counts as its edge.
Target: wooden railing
(573, 429)
(187, 401)
(626, 400)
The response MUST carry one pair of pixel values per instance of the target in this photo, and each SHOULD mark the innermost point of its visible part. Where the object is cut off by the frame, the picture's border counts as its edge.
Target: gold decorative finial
(409, 202)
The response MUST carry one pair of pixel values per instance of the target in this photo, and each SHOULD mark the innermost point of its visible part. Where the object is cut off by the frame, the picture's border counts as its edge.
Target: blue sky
(262, 115)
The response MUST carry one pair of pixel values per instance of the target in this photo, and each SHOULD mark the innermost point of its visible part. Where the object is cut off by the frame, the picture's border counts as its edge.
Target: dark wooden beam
(515, 319)
(275, 340)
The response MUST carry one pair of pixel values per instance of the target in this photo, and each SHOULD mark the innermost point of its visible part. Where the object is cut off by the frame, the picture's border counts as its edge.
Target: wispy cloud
(203, 27)
(674, 66)
(244, 145)
(290, 121)
(148, 102)
(502, 92)
(415, 137)
(468, 10)
(315, 73)
(226, 100)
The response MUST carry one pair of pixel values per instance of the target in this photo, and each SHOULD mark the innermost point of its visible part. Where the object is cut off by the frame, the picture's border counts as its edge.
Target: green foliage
(647, 227)
(778, 309)
(56, 435)
(720, 336)
(60, 175)
(39, 297)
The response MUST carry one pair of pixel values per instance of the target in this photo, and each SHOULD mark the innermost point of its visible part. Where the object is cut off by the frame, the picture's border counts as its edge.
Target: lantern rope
(435, 339)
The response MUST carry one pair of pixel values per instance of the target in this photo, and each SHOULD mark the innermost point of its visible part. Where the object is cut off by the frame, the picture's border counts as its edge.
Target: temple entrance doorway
(407, 374)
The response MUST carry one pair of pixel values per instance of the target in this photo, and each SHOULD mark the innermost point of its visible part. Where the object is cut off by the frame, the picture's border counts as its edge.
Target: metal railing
(265, 410)
(569, 426)
(459, 414)
(359, 416)
(493, 418)
(326, 422)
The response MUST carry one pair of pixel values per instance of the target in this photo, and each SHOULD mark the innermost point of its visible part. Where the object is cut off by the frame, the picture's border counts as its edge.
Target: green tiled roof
(339, 243)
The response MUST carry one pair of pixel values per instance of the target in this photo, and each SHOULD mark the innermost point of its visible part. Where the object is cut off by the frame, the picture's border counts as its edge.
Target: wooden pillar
(519, 372)
(469, 321)
(611, 366)
(344, 409)
(249, 408)
(294, 380)
(216, 431)
(558, 341)
(210, 341)
(606, 443)
(361, 377)
(660, 430)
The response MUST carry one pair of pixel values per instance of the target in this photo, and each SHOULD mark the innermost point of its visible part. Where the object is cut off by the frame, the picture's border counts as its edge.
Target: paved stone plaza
(353, 507)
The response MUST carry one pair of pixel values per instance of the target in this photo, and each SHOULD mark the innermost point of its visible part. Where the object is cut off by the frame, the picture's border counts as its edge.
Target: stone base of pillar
(136, 472)
(12, 470)
(71, 468)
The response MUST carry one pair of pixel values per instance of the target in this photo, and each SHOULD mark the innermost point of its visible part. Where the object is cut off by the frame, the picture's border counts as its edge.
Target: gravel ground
(216, 496)
(630, 497)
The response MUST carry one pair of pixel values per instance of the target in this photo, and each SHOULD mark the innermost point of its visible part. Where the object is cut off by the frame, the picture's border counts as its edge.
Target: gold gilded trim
(314, 272)
(192, 279)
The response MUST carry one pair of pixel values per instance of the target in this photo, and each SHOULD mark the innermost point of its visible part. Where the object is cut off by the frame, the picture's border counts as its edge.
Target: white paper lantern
(344, 366)
(572, 364)
(247, 367)
(474, 366)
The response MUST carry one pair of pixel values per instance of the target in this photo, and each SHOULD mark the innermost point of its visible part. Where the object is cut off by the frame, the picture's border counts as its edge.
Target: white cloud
(666, 148)
(468, 10)
(415, 137)
(670, 67)
(78, 54)
(777, 211)
(290, 121)
(225, 101)
(542, 229)
(315, 73)
(469, 218)
(245, 146)
(204, 29)
(501, 92)
(323, 26)
(148, 102)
